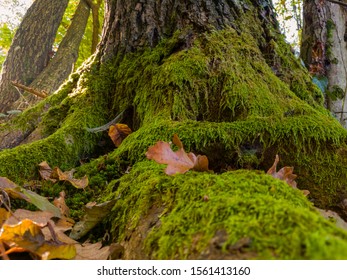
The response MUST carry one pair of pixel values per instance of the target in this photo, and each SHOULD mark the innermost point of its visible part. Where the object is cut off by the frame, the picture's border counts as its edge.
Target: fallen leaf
(54, 175)
(88, 251)
(60, 203)
(28, 235)
(285, 174)
(17, 192)
(41, 202)
(11, 188)
(94, 213)
(68, 176)
(41, 218)
(118, 133)
(178, 161)
(201, 163)
(46, 172)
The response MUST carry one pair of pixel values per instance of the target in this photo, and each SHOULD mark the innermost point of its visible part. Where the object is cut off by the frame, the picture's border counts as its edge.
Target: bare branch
(41, 94)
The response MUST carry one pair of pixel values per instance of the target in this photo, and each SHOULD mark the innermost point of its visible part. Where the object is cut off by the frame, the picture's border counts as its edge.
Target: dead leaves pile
(43, 234)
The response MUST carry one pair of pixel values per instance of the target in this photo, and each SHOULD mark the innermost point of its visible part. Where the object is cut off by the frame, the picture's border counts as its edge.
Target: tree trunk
(135, 24)
(62, 64)
(220, 76)
(31, 48)
(324, 50)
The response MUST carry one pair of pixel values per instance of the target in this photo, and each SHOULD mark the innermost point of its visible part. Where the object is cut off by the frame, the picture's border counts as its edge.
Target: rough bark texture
(133, 24)
(62, 64)
(31, 48)
(324, 49)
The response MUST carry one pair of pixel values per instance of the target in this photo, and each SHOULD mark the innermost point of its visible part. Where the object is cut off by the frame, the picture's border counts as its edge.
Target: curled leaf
(118, 133)
(60, 203)
(54, 175)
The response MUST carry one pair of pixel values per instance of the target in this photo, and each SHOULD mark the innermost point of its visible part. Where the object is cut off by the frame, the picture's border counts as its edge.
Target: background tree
(324, 51)
(219, 75)
(31, 48)
(64, 60)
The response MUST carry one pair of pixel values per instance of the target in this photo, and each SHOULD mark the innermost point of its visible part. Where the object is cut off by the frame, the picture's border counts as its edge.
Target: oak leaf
(285, 174)
(177, 161)
(118, 133)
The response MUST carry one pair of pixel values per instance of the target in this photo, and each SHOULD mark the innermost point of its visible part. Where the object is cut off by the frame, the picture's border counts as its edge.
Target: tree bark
(95, 7)
(324, 50)
(62, 64)
(134, 24)
(31, 48)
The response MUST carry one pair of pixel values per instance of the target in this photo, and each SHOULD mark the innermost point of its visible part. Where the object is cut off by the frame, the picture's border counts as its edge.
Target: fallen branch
(41, 94)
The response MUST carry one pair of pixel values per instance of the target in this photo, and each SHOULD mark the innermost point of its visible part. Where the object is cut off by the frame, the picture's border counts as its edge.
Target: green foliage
(86, 44)
(289, 15)
(6, 36)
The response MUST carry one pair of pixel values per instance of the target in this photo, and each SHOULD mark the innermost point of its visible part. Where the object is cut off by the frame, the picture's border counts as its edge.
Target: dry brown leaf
(60, 203)
(29, 236)
(41, 218)
(54, 175)
(88, 251)
(179, 161)
(68, 176)
(12, 189)
(201, 163)
(46, 172)
(285, 174)
(118, 133)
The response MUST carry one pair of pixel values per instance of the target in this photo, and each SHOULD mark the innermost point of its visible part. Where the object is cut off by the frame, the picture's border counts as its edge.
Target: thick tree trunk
(62, 64)
(324, 50)
(134, 24)
(31, 48)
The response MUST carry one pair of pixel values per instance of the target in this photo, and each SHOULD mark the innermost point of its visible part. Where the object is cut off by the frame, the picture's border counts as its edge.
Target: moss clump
(314, 145)
(278, 221)
(223, 76)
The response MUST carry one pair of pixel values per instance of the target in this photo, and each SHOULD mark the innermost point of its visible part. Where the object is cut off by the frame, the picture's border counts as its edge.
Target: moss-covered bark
(237, 95)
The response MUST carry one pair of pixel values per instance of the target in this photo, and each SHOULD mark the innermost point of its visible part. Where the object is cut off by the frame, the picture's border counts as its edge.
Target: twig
(41, 94)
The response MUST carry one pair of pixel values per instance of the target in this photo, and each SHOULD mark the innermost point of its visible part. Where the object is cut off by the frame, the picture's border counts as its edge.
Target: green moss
(64, 125)
(223, 76)
(278, 220)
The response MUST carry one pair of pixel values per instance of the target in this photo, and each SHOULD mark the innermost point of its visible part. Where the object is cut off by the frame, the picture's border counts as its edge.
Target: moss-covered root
(240, 214)
(65, 140)
(19, 129)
